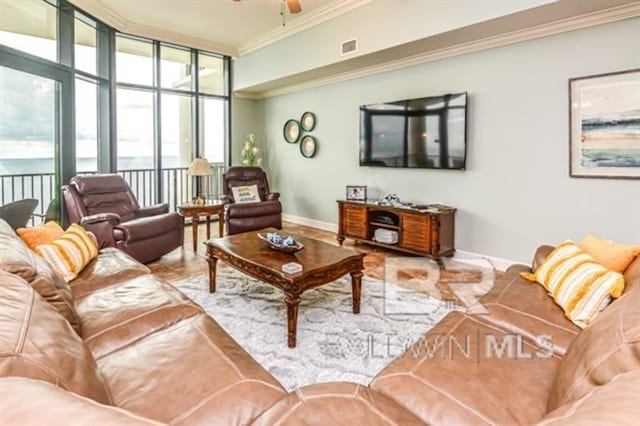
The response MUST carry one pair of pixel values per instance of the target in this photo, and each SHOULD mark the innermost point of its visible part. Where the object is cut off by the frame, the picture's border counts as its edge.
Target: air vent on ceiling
(348, 47)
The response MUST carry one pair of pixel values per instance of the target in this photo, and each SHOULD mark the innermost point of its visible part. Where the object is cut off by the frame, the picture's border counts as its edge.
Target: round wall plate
(308, 146)
(291, 131)
(308, 121)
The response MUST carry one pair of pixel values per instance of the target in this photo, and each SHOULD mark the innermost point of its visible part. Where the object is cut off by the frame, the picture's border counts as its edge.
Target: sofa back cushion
(36, 342)
(17, 258)
(609, 346)
(615, 403)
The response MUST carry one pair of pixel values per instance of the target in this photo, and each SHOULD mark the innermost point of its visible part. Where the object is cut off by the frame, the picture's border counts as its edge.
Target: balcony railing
(177, 187)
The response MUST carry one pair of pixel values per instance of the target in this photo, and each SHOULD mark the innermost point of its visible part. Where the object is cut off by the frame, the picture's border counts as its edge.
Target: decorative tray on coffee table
(281, 243)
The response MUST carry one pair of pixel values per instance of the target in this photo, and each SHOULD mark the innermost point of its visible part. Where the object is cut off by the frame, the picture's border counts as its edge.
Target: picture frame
(291, 131)
(308, 121)
(356, 193)
(308, 146)
(604, 125)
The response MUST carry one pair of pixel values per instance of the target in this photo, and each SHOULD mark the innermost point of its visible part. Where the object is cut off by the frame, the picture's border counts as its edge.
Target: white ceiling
(231, 26)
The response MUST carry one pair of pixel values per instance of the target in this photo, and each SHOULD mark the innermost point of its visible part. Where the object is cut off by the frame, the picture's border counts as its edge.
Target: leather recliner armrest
(274, 196)
(101, 225)
(152, 226)
(541, 254)
(112, 218)
(153, 210)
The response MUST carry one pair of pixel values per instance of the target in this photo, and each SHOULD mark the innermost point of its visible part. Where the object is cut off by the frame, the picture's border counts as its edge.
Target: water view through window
(166, 112)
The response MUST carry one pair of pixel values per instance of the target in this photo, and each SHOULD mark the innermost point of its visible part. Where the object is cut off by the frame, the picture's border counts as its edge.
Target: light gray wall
(516, 192)
(378, 25)
(247, 116)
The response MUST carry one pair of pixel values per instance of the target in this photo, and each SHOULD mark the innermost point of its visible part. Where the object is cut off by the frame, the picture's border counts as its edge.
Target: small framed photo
(356, 193)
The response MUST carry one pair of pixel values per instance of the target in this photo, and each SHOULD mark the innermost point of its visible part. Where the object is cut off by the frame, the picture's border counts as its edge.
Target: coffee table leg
(212, 273)
(356, 286)
(208, 227)
(292, 318)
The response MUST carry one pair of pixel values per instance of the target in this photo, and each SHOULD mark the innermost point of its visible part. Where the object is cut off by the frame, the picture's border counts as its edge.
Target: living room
(213, 312)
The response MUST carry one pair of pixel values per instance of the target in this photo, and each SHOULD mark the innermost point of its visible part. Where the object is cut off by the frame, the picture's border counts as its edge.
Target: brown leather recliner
(247, 217)
(105, 205)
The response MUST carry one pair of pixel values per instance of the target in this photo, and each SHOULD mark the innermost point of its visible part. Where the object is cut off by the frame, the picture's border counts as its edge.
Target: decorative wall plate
(308, 121)
(308, 146)
(291, 131)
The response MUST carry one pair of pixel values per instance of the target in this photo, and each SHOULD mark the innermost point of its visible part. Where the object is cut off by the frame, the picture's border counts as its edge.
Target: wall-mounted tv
(426, 133)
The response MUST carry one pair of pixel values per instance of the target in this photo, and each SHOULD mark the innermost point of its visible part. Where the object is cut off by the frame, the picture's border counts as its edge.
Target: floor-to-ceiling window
(77, 97)
(168, 114)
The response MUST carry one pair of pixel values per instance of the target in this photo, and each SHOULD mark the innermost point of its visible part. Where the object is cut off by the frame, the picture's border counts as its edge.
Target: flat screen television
(428, 133)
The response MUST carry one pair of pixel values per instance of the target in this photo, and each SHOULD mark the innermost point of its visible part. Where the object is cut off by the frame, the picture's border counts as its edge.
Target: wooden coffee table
(322, 263)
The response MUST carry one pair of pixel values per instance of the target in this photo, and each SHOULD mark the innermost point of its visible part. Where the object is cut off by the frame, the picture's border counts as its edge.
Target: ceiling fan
(293, 5)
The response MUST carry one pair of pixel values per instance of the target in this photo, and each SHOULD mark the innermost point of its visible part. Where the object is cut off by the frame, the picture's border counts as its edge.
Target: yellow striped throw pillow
(577, 283)
(69, 254)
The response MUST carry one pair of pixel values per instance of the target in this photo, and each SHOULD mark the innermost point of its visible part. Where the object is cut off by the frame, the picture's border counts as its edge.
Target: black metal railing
(177, 186)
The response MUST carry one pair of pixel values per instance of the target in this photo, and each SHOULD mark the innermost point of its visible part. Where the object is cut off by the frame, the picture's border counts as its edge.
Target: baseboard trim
(299, 220)
(499, 263)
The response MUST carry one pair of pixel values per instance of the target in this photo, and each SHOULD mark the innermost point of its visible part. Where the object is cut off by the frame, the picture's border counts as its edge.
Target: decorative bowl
(282, 248)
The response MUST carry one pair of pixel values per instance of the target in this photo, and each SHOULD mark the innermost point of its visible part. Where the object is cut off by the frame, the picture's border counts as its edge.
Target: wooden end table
(195, 211)
(322, 263)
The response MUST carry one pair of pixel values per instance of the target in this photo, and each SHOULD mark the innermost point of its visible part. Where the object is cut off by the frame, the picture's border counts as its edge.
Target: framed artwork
(604, 125)
(356, 193)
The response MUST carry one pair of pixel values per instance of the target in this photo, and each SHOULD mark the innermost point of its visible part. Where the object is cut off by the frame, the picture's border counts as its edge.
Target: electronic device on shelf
(386, 218)
(386, 236)
(429, 132)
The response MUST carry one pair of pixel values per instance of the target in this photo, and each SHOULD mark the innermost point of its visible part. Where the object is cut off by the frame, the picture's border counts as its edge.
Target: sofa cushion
(608, 347)
(121, 314)
(249, 210)
(37, 342)
(71, 253)
(190, 373)
(519, 306)
(17, 258)
(112, 266)
(613, 256)
(577, 283)
(33, 236)
(336, 404)
(33, 402)
(465, 371)
(616, 403)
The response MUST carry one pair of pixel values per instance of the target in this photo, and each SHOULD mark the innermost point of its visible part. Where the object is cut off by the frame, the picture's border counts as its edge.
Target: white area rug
(333, 344)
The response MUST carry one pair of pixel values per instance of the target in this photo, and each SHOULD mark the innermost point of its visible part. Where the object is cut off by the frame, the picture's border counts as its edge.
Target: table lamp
(200, 167)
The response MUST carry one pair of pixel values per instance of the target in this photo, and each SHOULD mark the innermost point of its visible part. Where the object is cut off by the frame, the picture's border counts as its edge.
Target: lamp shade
(200, 167)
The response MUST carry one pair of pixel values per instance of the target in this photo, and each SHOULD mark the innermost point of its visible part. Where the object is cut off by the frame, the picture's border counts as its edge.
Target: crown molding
(557, 27)
(178, 38)
(109, 17)
(248, 95)
(101, 12)
(317, 16)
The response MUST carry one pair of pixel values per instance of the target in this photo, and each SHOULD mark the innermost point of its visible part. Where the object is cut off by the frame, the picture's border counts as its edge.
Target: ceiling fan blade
(294, 6)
